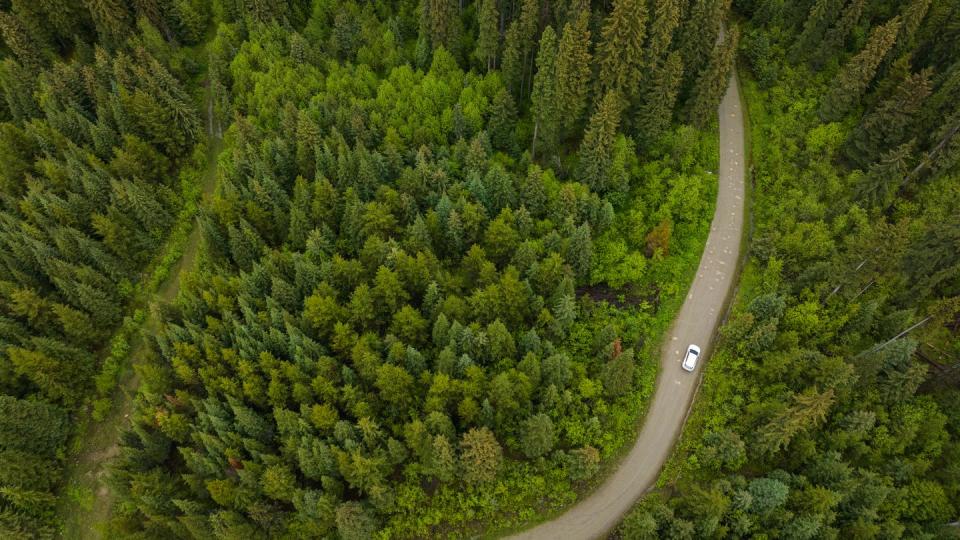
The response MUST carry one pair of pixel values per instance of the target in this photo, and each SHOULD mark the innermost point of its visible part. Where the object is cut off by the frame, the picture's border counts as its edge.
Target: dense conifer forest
(445, 243)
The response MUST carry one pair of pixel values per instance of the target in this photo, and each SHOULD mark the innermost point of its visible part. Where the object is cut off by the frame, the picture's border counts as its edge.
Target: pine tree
(112, 19)
(443, 23)
(698, 37)
(441, 460)
(502, 122)
(835, 40)
(596, 151)
(527, 27)
(617, 373)
(300, 215)
(852, 81)
(19, 86)
(511, 67)
(821, 17)
(809, 409)
(480, 456)
(573, 72)
(660, 97)
(488, 41)
(32, 426)
(714, 80)
(891, 122)
(620, 52)
(913, 16)
(192, 21)
(666, 19)
(538, 435)
(879, 184)
(355, 521)
(580, 251)
(28, 50)
(546, 117)
(245, 244)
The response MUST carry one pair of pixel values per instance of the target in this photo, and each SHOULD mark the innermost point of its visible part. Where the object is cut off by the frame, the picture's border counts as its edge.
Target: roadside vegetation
(830, 409)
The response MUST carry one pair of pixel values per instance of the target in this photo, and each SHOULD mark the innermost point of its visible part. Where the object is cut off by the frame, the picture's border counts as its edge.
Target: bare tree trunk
(927, 161)
(894, 338)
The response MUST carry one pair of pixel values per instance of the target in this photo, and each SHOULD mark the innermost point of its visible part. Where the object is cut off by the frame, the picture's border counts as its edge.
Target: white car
(690, 360)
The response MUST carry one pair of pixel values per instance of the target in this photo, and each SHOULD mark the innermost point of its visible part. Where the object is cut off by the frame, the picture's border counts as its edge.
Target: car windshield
(694, 352)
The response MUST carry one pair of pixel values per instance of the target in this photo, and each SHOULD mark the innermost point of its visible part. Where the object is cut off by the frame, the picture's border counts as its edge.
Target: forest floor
(696, 323)
(85, 506)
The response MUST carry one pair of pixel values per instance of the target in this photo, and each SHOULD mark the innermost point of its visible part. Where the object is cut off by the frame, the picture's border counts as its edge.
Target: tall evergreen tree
(544, 98)
(835, 40)
(659, 98)
(440, 19)
(852, 81)
(596, 150)
(714, 80)
(698, 37)
(821, 17)
(19, 86)
(878, 185)
(573, 72)
(666, 19)
(112, 19)
(488, 40)
(528, 27)
(503, 115)
(511, 65)
(912, 16)
(891, 122)
(25, 47)
(620, 51)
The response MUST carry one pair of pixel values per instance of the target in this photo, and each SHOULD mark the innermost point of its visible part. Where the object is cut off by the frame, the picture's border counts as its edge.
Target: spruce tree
(19, 86)
(891, 122)
(25, 47)
(580, 251)
(913, 16)
(538, 435)
(527, 27)
(441, 21)
(656, 108)
(714, 80)
(596, 150)
(821, 17)
(111, 18)
(835, 40)
(617, 373)
(480, 456)
(503, 117)
(620, 52)
(488, 40)
(666, 19)
(544, 97)
(698, 37)
(879, 184)
(511, 65)
(852, 81)
(573, 72)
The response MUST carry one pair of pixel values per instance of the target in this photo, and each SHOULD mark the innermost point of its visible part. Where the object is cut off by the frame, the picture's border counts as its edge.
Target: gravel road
(696, 323)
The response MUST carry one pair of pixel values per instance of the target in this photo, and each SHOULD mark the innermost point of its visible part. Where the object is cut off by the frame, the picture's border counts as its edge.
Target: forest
(445, 242)
(831, 408)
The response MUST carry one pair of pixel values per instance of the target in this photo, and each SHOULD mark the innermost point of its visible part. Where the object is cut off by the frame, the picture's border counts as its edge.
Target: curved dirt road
(596, 515)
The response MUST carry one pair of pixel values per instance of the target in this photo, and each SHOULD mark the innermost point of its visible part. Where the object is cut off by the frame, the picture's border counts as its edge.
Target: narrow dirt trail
(88, 471)
(696, 323)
